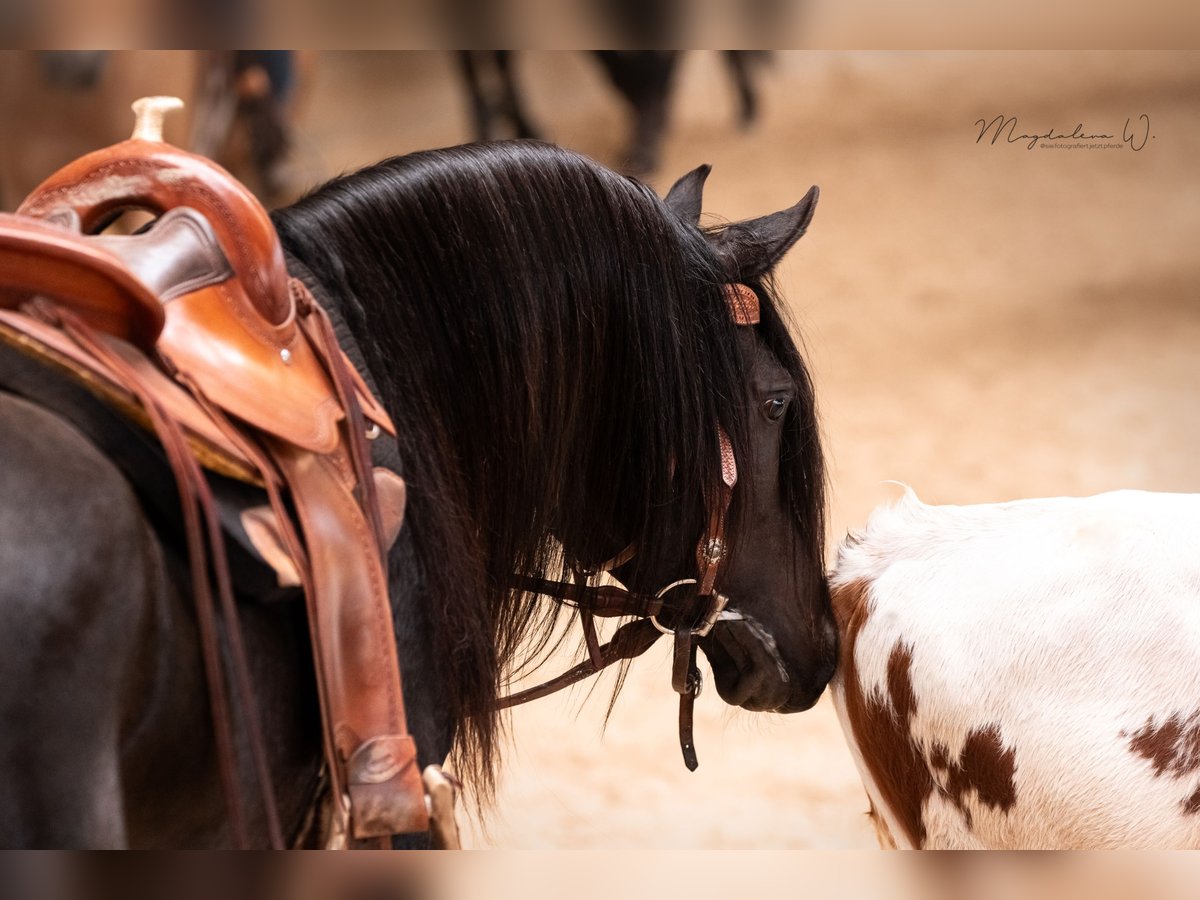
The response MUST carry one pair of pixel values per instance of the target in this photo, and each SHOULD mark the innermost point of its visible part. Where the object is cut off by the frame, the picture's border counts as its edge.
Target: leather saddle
(232, 327)
(193, 327)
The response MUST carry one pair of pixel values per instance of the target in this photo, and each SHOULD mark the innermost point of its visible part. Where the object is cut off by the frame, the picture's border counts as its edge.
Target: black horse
(552, 342)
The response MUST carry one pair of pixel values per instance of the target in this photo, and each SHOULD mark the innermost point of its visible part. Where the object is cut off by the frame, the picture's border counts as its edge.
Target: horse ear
(686, 196)
(753, 248)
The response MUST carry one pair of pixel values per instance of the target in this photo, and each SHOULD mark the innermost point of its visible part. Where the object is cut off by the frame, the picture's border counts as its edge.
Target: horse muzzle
(751, 672)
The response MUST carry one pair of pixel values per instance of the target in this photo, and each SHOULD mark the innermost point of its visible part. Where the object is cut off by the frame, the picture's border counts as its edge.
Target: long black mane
(554, 348)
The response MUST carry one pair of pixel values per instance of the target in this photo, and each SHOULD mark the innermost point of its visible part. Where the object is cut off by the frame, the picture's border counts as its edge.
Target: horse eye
(775, 408)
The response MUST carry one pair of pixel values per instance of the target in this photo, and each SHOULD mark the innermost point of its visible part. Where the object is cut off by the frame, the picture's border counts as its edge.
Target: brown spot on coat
(1172, 747)
(904, 773)
(1191, 806)
(984, 766)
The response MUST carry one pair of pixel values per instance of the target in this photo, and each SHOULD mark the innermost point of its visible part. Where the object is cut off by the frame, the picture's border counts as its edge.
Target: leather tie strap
(684, 678)
(687, 707)
(683, 661)
(630, 641)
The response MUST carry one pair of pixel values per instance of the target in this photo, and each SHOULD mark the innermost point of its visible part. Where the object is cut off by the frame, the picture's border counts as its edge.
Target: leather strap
(687, 706)
(606, 600)
(205, 545)
(630, 641)
(372, 756)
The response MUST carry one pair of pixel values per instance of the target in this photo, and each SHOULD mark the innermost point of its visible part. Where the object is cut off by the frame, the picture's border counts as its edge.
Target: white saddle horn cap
(150, 112)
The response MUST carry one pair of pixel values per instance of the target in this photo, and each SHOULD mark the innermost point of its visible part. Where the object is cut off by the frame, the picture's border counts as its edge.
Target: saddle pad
(55, 353)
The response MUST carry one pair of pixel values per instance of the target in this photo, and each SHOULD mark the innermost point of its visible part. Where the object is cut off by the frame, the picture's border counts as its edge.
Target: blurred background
(405, 24)
(985, 321)
(599, 876)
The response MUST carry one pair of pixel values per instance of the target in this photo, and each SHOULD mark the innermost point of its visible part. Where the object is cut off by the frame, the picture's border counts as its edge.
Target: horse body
(108, 738)
(1024, 675)
(553, 345)
(63, 614)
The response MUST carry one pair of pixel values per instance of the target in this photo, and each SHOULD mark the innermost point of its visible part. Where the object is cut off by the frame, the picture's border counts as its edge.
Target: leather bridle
(608, 600)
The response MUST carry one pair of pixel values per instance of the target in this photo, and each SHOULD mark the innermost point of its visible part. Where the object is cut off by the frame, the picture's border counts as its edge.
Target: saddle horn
(146, 173)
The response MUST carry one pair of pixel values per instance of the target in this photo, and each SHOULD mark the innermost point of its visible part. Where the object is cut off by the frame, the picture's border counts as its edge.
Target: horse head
(775, 646)
(571, 394)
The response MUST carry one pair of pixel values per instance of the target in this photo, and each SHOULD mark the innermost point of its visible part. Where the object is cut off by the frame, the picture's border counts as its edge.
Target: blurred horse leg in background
(481, 110)
(497, 109)
(643, 78)
(741, 67)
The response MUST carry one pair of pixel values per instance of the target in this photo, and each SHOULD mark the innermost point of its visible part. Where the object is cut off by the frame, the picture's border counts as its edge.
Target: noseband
(635, 638)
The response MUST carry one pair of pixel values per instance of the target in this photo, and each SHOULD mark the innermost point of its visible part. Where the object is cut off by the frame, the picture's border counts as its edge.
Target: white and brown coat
(1025, 674)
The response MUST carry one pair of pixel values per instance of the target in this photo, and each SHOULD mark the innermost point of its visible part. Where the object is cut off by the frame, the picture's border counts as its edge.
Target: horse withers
(554, 345)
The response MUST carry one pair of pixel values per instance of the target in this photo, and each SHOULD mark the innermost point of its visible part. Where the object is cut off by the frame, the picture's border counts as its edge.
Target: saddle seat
(40, 259)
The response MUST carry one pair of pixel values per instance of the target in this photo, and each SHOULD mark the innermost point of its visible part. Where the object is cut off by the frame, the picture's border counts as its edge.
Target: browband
(742, 303)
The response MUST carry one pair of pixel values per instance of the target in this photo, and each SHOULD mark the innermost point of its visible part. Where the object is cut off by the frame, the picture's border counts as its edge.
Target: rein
(635, 638)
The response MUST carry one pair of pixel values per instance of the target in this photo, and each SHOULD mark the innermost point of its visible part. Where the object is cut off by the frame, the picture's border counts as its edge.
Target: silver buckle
(714, 614)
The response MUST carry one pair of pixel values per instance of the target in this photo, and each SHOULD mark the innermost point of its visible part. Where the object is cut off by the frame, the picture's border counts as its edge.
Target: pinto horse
(554, 345)
(1025, 675)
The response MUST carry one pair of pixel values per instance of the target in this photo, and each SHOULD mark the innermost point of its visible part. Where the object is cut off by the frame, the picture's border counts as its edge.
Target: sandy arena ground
(983, 322)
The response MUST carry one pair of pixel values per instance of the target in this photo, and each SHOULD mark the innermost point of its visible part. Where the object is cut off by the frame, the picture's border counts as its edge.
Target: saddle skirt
(194, 328)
